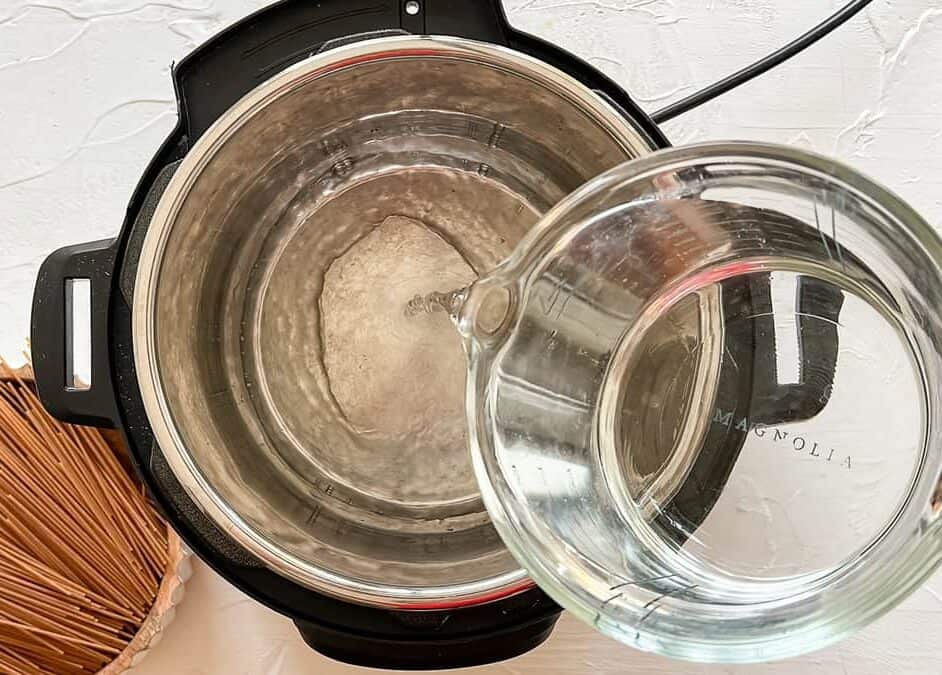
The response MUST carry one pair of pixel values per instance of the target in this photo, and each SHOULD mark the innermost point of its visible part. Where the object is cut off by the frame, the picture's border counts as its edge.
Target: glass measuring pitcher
(704, 401)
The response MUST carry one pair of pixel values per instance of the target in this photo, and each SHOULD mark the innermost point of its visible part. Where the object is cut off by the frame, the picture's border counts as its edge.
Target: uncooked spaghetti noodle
(82, 552)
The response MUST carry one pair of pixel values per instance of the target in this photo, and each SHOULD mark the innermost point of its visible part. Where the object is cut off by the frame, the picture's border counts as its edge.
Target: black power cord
(763, 65)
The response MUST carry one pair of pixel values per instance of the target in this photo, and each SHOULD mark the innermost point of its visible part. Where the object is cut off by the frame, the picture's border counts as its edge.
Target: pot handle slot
(69, 333)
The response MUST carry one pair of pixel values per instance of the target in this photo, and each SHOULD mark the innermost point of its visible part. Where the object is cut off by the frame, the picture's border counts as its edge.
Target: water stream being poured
(435, 301)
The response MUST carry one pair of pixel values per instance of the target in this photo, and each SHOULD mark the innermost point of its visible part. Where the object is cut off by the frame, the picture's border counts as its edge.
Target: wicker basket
(171, 589)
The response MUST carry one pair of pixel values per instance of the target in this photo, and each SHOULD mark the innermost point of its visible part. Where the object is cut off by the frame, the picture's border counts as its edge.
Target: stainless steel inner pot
(294, 399)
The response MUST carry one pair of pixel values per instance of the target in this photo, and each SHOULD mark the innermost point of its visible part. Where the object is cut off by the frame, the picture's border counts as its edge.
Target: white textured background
(85, 100)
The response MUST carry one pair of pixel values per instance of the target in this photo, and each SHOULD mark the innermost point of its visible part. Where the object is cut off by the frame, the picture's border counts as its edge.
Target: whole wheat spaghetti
(82, 552)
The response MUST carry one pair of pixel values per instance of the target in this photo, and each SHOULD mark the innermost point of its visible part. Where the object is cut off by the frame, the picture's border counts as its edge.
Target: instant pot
(251, 331)
(305, 131)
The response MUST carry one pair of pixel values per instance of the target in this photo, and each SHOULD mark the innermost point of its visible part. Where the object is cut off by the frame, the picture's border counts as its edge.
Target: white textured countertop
(85, 100)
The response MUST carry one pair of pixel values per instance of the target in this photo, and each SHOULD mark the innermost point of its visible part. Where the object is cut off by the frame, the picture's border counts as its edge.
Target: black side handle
(819, 308)
(50, 332)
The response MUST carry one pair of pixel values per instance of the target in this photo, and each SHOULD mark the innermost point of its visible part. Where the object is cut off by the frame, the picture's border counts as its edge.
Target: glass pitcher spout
(486, 313)
(481, 311)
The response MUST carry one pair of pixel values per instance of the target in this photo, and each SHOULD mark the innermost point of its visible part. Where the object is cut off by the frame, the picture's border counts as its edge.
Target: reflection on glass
(707, 429)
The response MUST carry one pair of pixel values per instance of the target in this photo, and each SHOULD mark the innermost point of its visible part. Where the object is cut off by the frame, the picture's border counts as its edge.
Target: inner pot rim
(144, 329)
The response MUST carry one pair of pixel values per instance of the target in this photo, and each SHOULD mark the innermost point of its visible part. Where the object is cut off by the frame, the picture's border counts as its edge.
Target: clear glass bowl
(704, 400)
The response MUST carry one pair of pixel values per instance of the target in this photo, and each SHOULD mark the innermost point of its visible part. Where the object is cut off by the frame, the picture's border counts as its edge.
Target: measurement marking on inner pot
(496, 135)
